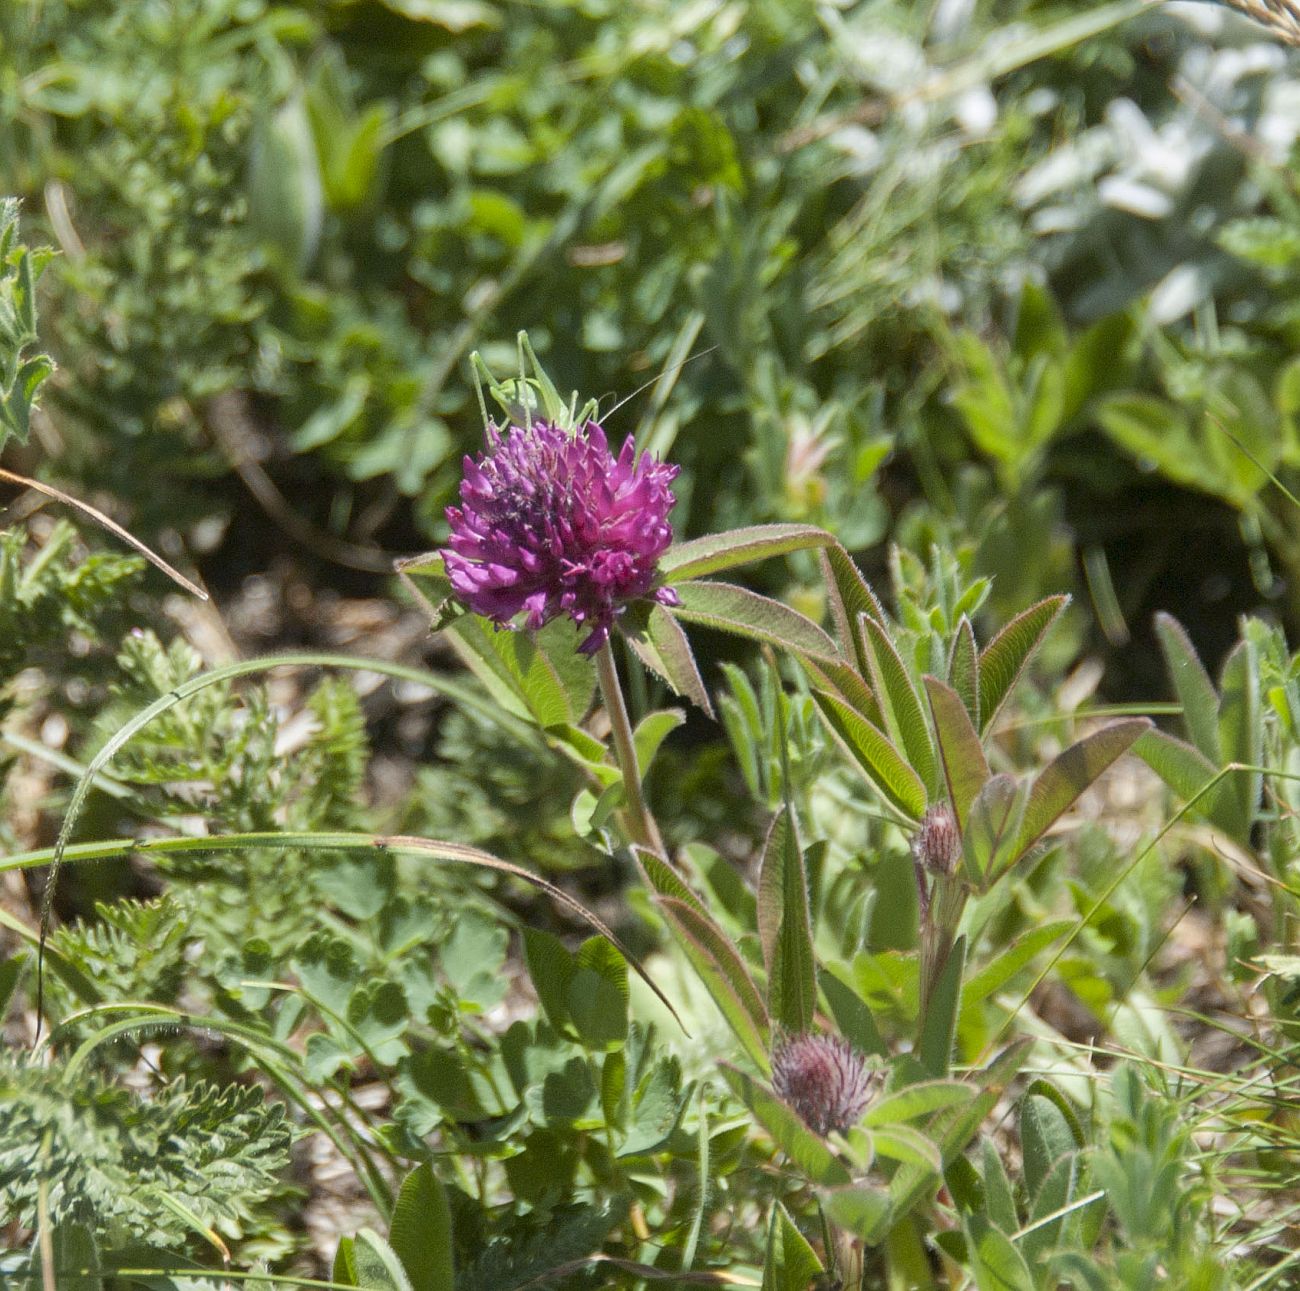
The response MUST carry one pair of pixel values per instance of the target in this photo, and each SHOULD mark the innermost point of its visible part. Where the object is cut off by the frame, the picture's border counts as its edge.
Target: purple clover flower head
(823, 1078)
(552, 523)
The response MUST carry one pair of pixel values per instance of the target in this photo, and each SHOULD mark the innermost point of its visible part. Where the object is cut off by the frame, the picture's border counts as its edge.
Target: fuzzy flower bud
(823, 1078)
(552, 523)
(937, 845)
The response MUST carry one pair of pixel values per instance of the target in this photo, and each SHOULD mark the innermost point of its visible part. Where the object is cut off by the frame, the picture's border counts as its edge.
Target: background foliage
(1002, 293)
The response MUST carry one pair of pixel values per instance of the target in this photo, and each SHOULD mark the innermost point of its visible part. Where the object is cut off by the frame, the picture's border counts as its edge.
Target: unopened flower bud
(937, 845)
(823, 1078)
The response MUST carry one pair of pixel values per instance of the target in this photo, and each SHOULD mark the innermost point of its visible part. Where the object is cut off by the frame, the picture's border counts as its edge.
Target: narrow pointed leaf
(1070, 773)
(939, 1027)
(988, 844)
(995, 1262)
(1241, 728)
(852, 1016)
(952, 1129)
(786, 929)
(724, 975)
(736, 609)
(899, 701)
(903, 1143)
(1004, 658)
(995, 975)
(806, 1149)
(844, 681)
(420, 1234)
(659, 642)
(849, 597)
(912, 1101)
(790, 1264)
(872, 750)
(964, 669)
(652, 730)
(735, 547)
(1192, 685)
(965, 770)
(1186, 770)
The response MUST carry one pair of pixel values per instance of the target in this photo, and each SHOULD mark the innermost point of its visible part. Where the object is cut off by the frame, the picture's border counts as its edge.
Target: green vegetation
(905, 896)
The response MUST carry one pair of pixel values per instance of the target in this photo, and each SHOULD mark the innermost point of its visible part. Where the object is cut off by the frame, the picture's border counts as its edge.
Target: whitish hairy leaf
(660, 644)
(735, 547)
(745, 613)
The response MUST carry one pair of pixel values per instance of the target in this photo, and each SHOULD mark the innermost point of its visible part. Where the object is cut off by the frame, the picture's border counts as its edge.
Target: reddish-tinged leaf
(964, 669)
(960, 752)
(724, 975)
(1070, 773)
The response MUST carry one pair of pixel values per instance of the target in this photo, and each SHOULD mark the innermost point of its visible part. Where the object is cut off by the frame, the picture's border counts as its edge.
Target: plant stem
(640, 823)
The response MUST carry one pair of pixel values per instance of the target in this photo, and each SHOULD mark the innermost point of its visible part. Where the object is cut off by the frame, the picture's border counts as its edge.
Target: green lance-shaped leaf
(785, 928)
(1186, 770)
(849, 597)
(1061, 782)
(1004, 658)
(904, 717)
(994, 1260)
(1004, 966)
(871, 749)
(789, 1264)
(711, 954)
(939, 1027)
(1241, 729)
(735, 547)
(845, 682)
(421, 1231)
(377, 1265)
(738, 610)
(660, 644)
(961, 754)
(806, 1149)
(1045, 1136)
(913, 1101)
(652, 730)
(964, 669)
(853, 1018)
(952, 1129)
(1193, 687)
(724, 975)
(904, 1144)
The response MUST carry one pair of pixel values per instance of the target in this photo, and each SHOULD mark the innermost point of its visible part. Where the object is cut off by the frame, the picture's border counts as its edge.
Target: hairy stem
(641, 825)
